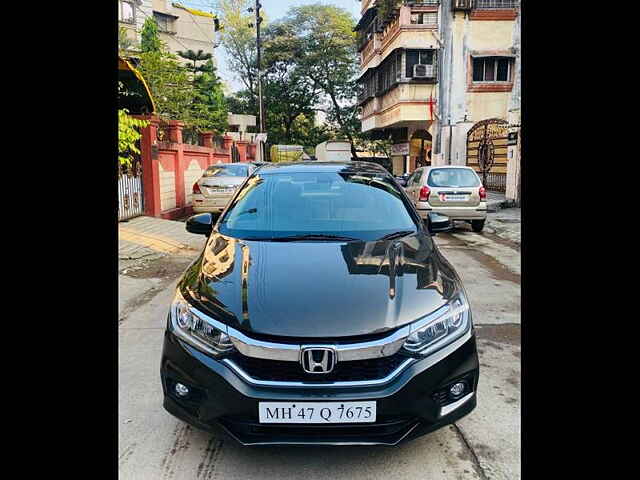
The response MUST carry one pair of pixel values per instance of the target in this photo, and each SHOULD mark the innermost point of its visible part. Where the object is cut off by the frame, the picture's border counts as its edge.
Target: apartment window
(388, 73)
(127, 12)
(492, 69)
(424, 18)
(165, 22)
(418, 57)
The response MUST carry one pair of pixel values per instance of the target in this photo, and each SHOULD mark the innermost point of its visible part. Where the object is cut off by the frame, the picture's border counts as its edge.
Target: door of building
(487, 152)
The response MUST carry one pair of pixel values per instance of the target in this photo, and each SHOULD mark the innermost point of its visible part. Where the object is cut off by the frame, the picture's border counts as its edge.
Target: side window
(417, 177)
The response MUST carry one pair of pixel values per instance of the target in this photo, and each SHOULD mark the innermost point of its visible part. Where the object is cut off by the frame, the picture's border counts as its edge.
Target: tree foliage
(195, 57)
(128, 136)
(239, 40)
(310, 64)
(326, 46)
(192, 94)
(149, 38)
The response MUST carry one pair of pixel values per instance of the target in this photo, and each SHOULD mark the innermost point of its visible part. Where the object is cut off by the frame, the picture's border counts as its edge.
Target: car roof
(315, 166)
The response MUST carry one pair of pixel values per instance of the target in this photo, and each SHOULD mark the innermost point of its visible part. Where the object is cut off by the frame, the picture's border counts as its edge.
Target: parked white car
(218, 183)
(454, 191)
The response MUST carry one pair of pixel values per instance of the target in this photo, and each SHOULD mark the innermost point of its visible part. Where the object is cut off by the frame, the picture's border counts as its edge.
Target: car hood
(319, 289)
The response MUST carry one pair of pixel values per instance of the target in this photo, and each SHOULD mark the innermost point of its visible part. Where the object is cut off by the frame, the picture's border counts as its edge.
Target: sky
(274, 9)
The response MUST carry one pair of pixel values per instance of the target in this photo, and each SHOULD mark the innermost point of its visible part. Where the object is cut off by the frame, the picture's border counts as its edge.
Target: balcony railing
(496, 4)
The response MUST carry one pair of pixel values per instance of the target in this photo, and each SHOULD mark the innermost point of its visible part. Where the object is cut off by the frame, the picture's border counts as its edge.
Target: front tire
(477, 225)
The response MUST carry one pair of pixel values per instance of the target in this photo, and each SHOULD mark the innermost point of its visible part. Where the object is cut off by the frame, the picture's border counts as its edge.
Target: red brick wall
(169, 168)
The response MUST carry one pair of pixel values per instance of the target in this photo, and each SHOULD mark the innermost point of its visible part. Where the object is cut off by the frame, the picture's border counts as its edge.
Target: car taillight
(483, 193)
(196, 188)
(424, 194)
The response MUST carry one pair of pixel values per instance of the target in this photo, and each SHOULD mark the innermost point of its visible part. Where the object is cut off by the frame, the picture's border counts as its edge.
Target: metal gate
(130, 198)
(487, 152)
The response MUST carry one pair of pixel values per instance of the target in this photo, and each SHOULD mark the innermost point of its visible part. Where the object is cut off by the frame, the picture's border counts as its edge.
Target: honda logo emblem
(318, 360)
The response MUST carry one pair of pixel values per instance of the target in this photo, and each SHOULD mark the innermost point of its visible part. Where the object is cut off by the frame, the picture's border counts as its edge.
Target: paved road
(483, 445)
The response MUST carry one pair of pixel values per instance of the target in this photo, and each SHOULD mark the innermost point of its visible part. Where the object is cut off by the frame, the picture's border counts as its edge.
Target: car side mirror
(202, 224)
(437, 223)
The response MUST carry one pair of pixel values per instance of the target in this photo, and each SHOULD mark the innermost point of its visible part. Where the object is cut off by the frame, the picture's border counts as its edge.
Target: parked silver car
(454, 191)
(218, 183)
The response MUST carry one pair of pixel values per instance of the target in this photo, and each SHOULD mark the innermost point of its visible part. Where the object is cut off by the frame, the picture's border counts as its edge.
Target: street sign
(400, 149)
(512, 138)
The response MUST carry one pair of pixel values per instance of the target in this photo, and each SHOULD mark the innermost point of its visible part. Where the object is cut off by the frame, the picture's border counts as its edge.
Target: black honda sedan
(319, 312)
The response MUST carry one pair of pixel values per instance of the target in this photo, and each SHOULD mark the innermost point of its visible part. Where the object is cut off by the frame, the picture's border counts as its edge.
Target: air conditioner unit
(423, 71)
(462, 4)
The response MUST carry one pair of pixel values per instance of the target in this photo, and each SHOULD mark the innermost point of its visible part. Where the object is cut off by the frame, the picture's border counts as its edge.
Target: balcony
(388, 10)
(416, 67)
(409, 24)
(494, 9)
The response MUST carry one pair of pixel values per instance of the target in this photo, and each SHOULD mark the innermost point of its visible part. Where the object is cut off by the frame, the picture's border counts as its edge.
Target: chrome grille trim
(360, 383)
(384, 347)
(424, 363)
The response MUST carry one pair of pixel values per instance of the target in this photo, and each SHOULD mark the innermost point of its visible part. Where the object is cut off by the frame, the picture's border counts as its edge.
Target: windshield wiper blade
(312, 236)
(251, 210)
(393, 235)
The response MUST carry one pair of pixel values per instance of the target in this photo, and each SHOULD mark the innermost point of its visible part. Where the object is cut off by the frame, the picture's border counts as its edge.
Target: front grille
(282, 371)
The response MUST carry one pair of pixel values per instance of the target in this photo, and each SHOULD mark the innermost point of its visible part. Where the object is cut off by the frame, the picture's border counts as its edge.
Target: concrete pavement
(483, 445)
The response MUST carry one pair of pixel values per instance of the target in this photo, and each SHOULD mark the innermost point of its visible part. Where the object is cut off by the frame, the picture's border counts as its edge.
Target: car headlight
(439, 329)
(197, 330)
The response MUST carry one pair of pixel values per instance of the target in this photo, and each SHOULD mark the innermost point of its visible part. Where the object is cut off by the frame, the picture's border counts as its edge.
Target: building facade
(181, 28)
(441, 78)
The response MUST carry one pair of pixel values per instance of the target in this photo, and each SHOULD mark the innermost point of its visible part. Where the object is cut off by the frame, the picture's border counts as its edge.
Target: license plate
(221, 190)
(456, 198)
(317, 412)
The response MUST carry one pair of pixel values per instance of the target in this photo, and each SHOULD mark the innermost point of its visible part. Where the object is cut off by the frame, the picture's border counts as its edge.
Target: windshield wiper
(399, 234)
(312, 236)
(251, 210)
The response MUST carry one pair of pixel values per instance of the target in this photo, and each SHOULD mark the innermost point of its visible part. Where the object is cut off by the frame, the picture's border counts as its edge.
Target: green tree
(128, 135)
(210, 108)
(149, 37)
(169, 83)
(323, 45)
(239, 40)
(180, 94)
(195, 57)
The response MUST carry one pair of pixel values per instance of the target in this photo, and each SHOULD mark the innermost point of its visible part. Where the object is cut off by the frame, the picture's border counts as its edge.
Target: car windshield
(227, 171)
(362, 206)
(453, 177)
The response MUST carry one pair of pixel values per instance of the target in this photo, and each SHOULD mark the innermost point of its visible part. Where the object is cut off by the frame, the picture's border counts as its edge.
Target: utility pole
(261, 110)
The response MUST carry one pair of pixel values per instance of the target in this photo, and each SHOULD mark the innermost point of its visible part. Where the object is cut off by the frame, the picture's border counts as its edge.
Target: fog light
(457, 389)
(182, 390)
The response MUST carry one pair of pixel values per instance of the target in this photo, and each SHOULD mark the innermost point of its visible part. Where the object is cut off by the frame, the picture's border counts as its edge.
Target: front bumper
(407, 407)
